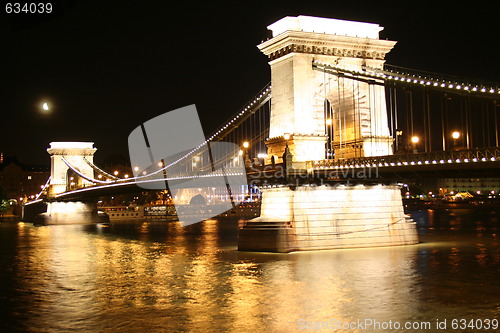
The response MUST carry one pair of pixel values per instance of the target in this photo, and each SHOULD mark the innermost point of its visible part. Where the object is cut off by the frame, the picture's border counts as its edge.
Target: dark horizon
(107, 67)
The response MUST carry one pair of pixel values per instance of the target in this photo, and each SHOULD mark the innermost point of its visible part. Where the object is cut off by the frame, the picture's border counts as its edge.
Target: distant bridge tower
(74, 153)
(314, 107)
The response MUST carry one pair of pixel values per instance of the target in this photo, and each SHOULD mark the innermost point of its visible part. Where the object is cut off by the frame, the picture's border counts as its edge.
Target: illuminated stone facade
(297, 218)
(300, 92)
(74, 153)
(326, 217)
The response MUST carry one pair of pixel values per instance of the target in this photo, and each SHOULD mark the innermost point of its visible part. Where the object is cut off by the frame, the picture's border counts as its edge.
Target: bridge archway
(351, 123)
(73, 180)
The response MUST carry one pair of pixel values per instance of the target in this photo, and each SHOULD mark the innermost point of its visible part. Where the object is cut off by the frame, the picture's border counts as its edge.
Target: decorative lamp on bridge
(286, 136)
(248, 163)
(414, 141)
(455, 135)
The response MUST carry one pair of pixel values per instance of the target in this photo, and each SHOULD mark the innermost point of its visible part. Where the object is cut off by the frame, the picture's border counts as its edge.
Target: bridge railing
(439, 157)
(438, 76)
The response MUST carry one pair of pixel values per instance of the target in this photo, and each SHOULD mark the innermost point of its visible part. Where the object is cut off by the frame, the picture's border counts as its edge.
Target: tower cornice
(325, 44)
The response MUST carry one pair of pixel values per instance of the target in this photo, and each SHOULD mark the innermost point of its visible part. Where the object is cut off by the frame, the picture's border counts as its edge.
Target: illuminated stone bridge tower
(61, 176)
(310, 108)
(313, 107)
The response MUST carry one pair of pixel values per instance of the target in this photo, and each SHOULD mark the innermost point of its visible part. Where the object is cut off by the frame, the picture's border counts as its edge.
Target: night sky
(107, 66)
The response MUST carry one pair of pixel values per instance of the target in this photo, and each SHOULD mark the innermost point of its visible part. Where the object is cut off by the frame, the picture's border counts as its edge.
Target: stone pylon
(313, 107)
(74, 153)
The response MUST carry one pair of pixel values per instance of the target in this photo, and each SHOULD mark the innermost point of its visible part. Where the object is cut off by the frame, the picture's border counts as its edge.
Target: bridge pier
(61, 212)
(328, 217)
(315, 116)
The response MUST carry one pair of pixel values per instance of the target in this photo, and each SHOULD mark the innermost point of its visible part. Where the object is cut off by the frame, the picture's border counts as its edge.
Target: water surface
(160, 277)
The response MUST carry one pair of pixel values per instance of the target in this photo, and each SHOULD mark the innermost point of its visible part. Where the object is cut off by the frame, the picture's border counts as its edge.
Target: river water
(160, 277)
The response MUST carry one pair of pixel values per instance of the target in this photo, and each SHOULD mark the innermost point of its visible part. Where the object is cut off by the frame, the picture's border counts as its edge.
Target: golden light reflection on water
(153, 277)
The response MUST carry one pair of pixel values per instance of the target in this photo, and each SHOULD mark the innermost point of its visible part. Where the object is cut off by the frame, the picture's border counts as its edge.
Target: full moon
(45, 106)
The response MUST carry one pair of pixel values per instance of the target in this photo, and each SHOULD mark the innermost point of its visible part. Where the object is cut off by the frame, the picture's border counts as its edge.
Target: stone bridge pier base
(54, 212)
(328, 217)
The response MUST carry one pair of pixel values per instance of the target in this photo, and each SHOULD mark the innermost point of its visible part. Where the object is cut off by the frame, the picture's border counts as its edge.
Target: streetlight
(248, 163)
(414, 141)
(286, 136)
(455, 135)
